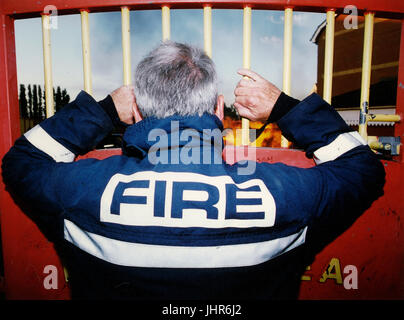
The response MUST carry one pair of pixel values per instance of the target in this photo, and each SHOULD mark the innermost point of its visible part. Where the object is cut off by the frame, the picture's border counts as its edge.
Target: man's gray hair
(176, 79)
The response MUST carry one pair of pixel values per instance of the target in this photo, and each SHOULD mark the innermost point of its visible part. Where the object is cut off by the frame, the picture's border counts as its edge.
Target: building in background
(347, 72)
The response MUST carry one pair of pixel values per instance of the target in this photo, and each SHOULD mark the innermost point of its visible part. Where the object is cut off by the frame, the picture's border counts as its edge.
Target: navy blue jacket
(169, 219)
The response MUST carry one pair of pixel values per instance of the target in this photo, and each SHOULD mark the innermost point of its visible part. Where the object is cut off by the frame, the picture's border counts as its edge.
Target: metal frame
(25, 8)
(17, 227)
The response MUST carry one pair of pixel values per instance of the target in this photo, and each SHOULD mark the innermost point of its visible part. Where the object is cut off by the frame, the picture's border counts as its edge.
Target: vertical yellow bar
(329, 55)
(165, 22)
(125, 13)
(366, 73)
(47, 63)
(287, 50)
(85, 40)
(287, 58)
(245, 124)
(207, 29)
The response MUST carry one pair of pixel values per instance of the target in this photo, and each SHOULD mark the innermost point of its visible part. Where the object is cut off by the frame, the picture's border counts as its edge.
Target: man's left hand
(255, 96)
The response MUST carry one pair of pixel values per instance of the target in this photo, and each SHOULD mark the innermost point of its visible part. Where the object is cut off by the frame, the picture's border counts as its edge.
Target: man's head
(176, 79)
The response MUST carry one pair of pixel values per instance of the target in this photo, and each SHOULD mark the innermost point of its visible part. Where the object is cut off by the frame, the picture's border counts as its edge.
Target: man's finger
(247, 82)
(244, 91)
(242, 111)
(250, 74)
(243, 101)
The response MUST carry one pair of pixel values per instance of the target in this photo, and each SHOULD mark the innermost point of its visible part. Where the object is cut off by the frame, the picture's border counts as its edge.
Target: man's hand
(124, 100)
(255, 97)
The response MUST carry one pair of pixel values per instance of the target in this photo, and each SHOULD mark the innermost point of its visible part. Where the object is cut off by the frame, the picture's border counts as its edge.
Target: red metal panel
(374, 245)
(291, 157)
(25, 251)
(26, 8)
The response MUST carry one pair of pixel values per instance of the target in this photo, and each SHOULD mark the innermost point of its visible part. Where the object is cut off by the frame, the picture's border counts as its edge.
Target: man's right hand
(124, 100)
(255, 97)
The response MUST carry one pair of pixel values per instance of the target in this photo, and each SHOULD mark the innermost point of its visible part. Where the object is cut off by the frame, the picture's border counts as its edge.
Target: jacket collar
(171, 133)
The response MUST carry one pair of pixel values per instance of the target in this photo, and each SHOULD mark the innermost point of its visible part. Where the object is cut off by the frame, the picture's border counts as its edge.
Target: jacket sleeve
(41, 162)
(348, 176)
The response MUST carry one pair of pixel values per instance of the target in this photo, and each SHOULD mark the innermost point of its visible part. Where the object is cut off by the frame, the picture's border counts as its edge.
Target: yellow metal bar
(47, 63)
(165, 22)
(287, 58)
(207, 29)
(329, 56)
(366, 72)
(245, 124)
(125, 13)
(287, 50)
(85, 40)
(383, 117)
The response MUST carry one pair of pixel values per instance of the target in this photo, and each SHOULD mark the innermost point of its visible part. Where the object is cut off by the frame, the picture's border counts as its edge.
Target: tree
(65, 97)
(23, 102)
(40, 104)
(35, 108)
(58, 99)
(30, 113)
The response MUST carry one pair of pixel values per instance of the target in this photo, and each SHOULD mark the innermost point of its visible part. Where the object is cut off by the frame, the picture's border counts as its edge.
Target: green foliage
(34, 107)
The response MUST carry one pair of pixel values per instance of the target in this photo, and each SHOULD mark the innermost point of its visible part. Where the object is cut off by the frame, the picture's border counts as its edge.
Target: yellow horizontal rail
(384, 117)
(386, 65)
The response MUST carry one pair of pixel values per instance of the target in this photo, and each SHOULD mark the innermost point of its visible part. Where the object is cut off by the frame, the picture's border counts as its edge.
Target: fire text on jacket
(184, 199)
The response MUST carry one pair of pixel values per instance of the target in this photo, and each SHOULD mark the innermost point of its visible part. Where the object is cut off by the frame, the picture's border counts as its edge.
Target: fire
(271, 137)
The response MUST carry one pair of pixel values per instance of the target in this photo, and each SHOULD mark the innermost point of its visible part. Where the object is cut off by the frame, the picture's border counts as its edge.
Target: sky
(187, 27)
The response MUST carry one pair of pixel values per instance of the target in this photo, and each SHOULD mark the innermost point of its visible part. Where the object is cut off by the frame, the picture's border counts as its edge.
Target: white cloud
(299, 19)
(273, 40)
(276, 19)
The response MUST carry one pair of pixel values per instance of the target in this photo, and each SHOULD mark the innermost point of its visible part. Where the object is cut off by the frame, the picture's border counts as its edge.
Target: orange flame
(271, 137)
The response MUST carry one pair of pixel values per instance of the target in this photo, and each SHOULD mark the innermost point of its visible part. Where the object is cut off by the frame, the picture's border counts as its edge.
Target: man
(169, 219)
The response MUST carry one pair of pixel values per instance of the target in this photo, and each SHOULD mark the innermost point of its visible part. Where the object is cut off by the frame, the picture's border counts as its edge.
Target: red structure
(374, 245)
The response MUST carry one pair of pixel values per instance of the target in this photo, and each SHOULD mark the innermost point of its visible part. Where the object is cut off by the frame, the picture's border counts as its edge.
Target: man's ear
(219, 112)
(136, 113)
